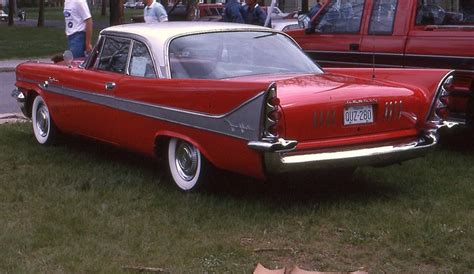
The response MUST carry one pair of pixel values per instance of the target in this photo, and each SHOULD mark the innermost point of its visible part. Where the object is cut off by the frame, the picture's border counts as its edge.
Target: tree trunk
(41, 14)
(192, 10)
(11, 12)
(116, 12)
(304, 6)
(103, 11)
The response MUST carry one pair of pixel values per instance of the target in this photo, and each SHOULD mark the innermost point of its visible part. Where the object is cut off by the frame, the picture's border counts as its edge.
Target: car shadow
(286, 189)
(300, 189)
(459, 139)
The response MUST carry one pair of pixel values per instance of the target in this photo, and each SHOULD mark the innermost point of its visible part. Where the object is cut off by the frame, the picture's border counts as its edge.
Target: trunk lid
(318, 107)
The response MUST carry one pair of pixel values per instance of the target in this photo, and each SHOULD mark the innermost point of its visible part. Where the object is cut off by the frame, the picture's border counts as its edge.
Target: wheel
(187, 166)
(43, 126)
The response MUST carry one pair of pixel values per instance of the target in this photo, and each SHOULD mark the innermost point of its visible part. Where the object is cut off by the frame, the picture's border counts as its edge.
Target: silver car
(3, 16)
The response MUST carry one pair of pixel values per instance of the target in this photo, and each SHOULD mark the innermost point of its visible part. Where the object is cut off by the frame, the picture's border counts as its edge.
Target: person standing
(319, 4)
(78, 19)
(253, 13)
(232, 12)
(154, 12)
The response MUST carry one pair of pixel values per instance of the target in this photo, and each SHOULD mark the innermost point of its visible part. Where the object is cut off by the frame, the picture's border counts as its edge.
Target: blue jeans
(76, 43)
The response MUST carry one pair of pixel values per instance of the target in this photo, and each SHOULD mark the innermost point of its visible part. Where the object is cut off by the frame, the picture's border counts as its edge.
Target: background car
(236, 97)
(130, 5)
(3, 16)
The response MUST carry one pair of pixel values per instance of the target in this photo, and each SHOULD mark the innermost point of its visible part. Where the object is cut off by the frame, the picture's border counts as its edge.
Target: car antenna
(373, 57)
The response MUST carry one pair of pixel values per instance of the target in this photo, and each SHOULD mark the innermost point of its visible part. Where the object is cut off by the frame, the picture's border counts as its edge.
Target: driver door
(90, 110)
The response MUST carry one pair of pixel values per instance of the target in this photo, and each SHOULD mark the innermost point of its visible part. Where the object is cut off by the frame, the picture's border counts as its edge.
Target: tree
(103, 11)
(116, 12)
(11, 12)
(192, 10)
(41, 13)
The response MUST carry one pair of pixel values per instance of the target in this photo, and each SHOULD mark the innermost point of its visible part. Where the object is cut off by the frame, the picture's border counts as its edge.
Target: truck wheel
(43, 126)
(187, 166)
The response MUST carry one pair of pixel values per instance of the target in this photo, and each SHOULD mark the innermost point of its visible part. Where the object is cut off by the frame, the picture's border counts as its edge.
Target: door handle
(52, 79)
(354, 46)
(110, 85)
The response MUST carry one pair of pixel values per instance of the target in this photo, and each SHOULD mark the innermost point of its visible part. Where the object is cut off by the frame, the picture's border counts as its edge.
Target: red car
(237, 97)
(398, 33)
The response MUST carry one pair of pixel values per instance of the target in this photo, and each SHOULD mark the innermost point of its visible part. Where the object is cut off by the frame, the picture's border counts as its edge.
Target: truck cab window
(456, 12)
(382, 17)
(340, 17)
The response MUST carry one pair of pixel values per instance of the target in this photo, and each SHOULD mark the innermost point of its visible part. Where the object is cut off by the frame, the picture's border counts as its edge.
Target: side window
(141, 63)
(383, 16)
(114, 54)
(454, 12)
(342, 16)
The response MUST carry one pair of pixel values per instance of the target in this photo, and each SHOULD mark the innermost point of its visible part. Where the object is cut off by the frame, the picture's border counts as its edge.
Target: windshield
(232, 54)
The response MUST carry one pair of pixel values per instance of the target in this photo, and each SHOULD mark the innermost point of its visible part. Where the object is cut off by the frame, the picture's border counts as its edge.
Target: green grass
(28, 42)
(56, 13)
(82, 207)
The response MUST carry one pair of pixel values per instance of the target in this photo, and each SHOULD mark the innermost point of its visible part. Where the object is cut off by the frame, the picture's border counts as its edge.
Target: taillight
(272, 120)
(440, 109)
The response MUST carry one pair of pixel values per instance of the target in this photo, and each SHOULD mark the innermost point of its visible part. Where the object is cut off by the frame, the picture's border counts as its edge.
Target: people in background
(154, 12)
(314, 9)
(254, 14)
(78, 19)
(232, 12)
(467, 7)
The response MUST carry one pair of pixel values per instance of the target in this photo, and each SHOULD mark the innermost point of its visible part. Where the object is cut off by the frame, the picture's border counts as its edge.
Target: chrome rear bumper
(367, 155)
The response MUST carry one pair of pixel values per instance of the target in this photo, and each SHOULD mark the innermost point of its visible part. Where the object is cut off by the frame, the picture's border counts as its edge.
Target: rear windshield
(232, 54)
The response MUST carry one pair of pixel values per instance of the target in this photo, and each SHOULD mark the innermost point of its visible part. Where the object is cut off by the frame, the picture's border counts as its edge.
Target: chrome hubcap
(186, 160)
(42, 120)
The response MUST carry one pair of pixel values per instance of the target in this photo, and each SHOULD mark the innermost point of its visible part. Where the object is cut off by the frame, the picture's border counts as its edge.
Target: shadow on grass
(301, 189)
(457, 139)
(287, 190)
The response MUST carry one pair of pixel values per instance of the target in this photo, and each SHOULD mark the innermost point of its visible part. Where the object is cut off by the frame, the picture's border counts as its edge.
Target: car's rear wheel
(43, 126)
(187, 166)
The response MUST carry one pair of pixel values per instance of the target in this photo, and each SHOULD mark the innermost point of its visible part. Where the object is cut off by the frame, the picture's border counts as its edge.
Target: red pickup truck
(398, 33)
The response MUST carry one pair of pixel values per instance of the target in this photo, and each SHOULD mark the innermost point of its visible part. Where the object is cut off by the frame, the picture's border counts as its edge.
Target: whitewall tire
(186, 165)
(43, 126)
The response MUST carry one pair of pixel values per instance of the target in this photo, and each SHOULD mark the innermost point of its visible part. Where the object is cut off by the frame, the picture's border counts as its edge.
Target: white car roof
(159, 35)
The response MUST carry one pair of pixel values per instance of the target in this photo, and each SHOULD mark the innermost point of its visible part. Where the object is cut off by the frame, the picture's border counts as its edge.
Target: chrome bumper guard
(386, 154)
(21, 100)
(279, 145)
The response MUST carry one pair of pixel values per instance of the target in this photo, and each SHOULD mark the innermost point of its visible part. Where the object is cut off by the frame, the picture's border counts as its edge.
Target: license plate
(354, 115)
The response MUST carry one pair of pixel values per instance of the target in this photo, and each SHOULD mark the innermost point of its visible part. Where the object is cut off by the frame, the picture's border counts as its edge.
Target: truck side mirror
(304, 22)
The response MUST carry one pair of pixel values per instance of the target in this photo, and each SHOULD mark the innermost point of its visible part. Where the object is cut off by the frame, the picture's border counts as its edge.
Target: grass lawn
(26, 42)
(56, 13)
(85, 207)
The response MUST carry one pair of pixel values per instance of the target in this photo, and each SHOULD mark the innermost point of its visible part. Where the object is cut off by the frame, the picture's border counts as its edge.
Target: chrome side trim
(27, 80)
(350, 156)
(392, 54)
(240, 122)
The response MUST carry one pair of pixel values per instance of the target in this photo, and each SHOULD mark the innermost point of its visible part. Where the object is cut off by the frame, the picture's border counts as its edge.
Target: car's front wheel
(43, 126)
(186, 164)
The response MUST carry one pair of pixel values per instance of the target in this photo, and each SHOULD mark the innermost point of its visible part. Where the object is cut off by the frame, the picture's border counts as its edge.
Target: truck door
(337, 33)
(441, 36)
(385, 32)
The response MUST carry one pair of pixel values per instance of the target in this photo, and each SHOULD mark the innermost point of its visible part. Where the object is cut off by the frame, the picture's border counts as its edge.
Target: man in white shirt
(154, 12)
(78, 27)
